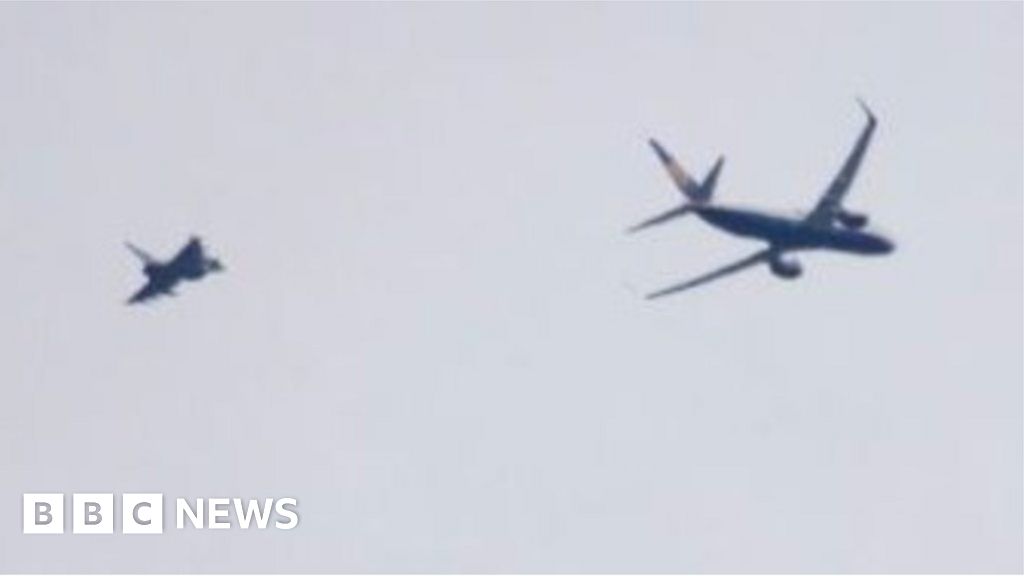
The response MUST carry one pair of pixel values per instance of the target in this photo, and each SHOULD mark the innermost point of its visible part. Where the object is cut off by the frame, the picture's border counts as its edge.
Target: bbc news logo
(144, 513)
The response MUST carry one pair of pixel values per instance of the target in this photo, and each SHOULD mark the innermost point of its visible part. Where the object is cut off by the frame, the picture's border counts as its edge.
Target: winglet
(867, 110)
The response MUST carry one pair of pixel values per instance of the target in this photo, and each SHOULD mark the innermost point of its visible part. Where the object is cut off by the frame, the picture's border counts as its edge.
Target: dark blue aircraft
(190, 263)
(828, 226)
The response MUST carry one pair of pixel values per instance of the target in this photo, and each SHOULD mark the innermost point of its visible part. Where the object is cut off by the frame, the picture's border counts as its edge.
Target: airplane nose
(885, 245)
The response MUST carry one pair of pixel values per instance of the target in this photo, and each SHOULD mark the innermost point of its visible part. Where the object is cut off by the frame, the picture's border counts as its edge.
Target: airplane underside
(788, 234)
(828, 225)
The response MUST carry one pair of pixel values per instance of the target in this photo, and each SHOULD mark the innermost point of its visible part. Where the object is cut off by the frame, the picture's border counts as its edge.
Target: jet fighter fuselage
(190, 264)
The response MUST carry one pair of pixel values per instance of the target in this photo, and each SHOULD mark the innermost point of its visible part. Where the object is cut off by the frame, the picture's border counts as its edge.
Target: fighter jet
(190, 263)
(828, 226)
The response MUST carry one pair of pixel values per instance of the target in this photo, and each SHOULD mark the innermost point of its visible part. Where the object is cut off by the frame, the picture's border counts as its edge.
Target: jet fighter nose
(885, 245)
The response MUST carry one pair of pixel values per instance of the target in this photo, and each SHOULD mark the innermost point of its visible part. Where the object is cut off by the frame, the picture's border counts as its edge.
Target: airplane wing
(752, 260)
(191, 256)
(831, 201)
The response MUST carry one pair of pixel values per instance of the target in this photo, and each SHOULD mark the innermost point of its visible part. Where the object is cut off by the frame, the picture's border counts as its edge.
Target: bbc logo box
(43, 513)
(92, 513)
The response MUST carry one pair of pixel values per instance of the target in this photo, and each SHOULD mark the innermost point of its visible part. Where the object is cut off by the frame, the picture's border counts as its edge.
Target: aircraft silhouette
(827, 226)
(190, 263)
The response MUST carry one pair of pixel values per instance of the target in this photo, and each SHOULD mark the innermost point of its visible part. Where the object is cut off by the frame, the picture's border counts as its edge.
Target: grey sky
(432, 329)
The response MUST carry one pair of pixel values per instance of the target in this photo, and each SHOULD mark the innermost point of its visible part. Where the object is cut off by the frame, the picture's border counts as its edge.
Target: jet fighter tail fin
(697, 192)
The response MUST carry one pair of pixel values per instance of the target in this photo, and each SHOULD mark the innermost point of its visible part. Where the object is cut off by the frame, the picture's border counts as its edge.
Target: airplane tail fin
(142, 254)
(711, 179)
(696, 192)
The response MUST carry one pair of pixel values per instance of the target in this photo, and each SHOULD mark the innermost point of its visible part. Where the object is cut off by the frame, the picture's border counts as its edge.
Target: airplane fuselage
(827, 226)
(791, 233)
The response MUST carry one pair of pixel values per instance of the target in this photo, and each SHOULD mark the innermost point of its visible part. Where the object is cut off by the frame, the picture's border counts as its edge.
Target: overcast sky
(431, 330)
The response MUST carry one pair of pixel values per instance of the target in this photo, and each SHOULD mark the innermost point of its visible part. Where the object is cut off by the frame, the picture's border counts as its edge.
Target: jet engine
(785, 269)
(852, 220)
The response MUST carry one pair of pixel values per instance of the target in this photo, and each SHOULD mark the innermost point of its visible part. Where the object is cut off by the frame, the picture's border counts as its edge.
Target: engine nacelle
(785, 269)
(852, 220)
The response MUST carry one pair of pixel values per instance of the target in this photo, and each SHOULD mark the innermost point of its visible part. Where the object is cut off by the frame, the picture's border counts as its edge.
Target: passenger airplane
(191, 263)
(828, 226)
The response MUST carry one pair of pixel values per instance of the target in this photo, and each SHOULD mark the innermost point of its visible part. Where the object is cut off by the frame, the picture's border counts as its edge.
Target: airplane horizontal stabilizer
(661, 218)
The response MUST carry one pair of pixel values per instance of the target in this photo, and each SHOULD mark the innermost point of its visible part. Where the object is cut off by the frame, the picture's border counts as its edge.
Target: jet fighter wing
(146, 257)
(831, 201)
(151, 290)
(190, 256)
(752, 260)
